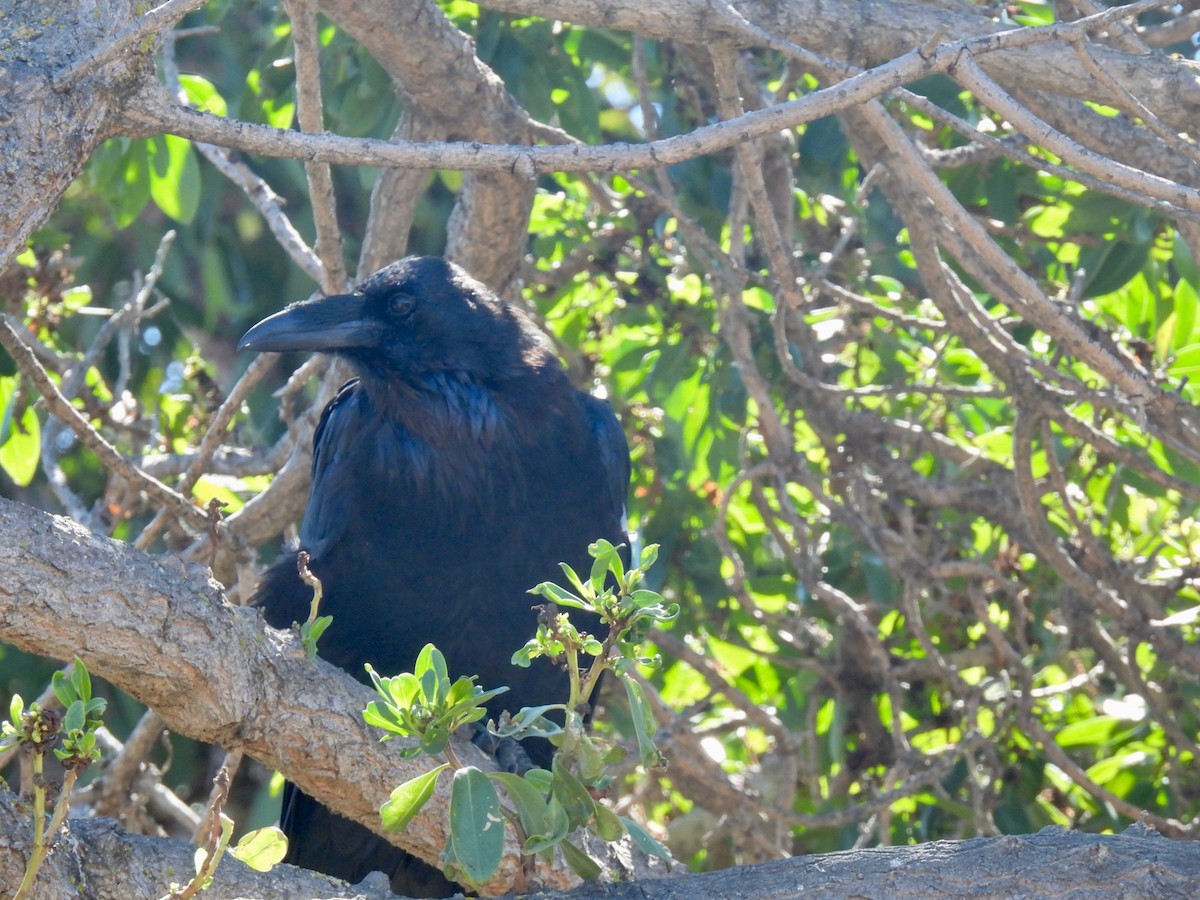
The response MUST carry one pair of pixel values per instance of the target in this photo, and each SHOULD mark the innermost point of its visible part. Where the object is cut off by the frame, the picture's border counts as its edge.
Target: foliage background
(937, 562)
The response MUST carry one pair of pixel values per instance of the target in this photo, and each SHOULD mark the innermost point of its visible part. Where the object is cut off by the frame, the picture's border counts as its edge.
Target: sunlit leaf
(262, 848)
(20, 434)
(581, 864)
(174, 177)
(408, 799)
(476, 825)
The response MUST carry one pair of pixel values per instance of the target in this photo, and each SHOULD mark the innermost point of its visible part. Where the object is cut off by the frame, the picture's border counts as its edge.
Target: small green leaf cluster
(40, 729)
(629, 611)
(34, 726)
(82, 717)
(74, 729)
(544, 807)
(261, 849)
(425, 705)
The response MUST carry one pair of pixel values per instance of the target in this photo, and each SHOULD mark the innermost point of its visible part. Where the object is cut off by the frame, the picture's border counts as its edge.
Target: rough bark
(52, 116)
(1054, 863)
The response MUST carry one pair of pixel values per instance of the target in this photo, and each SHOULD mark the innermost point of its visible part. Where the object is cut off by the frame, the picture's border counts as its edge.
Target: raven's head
(416, 318)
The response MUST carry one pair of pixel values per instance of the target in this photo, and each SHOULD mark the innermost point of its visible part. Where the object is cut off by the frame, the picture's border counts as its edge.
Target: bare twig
(311, 115)
(108, 454)
(113, 789)
(967, 72)
(216, 431)
(154, 111)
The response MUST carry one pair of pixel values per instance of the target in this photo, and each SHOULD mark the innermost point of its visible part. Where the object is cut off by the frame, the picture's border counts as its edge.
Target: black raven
(453, 474)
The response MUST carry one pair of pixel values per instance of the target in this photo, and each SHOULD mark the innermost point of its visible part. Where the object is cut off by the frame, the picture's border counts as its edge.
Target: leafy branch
(37, 730)
(543, 808)
(314, 626)
(260, 849)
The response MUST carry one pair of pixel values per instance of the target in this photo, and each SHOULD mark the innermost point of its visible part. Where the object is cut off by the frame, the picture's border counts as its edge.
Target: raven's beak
(336, 322)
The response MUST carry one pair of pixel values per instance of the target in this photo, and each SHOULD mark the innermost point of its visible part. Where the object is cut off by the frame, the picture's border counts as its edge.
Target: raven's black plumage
(453, 474)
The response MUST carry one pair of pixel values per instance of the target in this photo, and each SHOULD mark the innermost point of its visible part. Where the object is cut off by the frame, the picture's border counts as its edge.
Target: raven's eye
(401, 304)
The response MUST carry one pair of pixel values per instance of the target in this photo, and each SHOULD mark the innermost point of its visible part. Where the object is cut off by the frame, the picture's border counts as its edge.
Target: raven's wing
(281, 595)
(335, 439)
(613, 452)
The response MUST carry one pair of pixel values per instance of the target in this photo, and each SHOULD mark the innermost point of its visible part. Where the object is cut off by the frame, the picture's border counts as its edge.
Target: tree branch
(1052, 863)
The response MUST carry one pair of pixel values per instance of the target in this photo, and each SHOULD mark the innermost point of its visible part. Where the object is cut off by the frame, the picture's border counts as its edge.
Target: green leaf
(581, 864)
(603, 553)
(471, 708)
(527, 801)
(461, 690)
(81, 680)
(1094, 731)
(476, 825)
(16, 706)
(203, 95)
(573, 578)
(406, 800)
(121, 175)
(571, 793)
(435, 738)
(262, 848)
(608, 823)
(649, 556)
(558, 824)
(431, 659)
(1110, 267)
(645, 840)
(644, 599)
(592, 759)
(560, 595)
(174, 177)
(74, 718)
(403, 690)
(1185, 303)
(530, 721)
(1186, 362)
(643, 724)
(279, 113)
(523, 657)
(20, 436)
(382, 716)
(377, 681)
(433, 675)
(64, 689)
(608, 559)
(310, 633)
